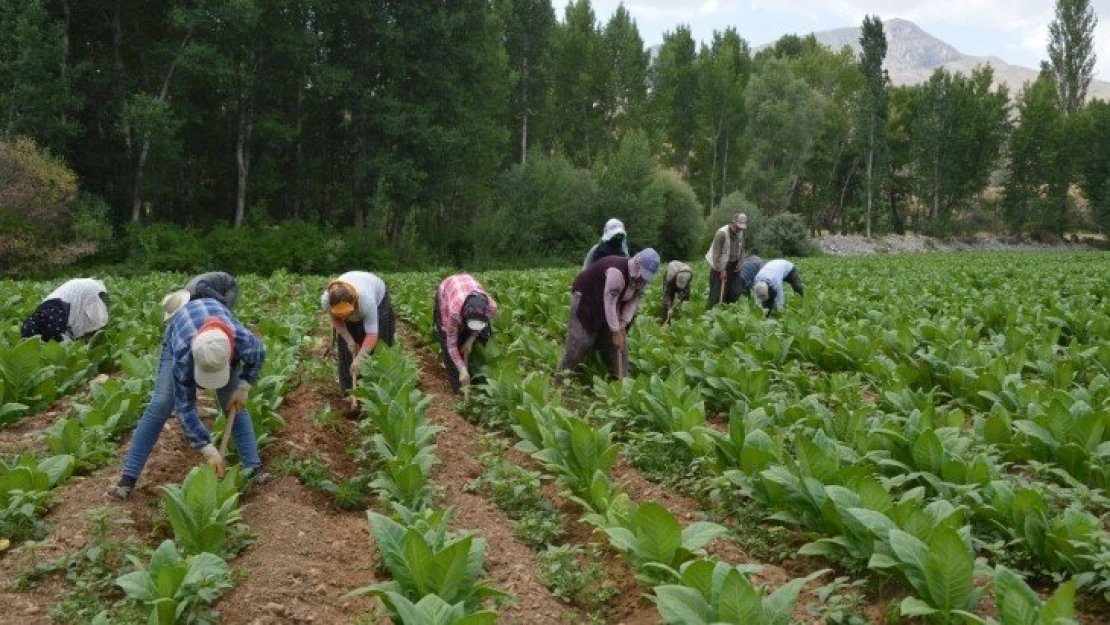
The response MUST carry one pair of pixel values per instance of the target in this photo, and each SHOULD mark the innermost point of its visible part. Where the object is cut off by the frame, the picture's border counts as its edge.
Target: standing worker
(724, 261)
(361, 313)
(74, 310)
(204, 346)
(604, 299)
(461, 315)
(217, 285)
(614, 242)
(676, 287)
(768, 284)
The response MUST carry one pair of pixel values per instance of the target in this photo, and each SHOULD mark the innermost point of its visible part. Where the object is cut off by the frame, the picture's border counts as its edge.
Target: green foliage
(714, 592)
(1019, 605)
(176, 589)
(682, 228)
(575, 575)
(204, 510)
(784, 235)
(655, 542)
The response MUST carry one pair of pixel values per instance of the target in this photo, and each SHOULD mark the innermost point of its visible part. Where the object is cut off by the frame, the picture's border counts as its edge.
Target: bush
(783, 235)
(90, 219)
(623, 182)
(682, 227)
(36, 190)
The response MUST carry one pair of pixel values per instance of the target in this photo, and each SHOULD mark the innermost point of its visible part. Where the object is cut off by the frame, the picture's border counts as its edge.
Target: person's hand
(464, 377)
(238, 399)
(356, 368)
(724, 275)
(352, 347)
(215, 460)
(618, 340)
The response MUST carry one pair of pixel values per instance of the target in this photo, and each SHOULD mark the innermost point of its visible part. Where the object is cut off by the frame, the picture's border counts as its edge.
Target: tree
(578, 79)
(1035, 152)
(674, 84)
(1095, 180)
(623, 94)
(784, 116)
(529, 27)
(873, 108)
(723, 71)
(622, 180)
(1071, 56)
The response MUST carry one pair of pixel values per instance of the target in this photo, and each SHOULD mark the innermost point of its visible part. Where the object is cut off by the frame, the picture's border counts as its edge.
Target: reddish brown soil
(26, 434)
(510, 563)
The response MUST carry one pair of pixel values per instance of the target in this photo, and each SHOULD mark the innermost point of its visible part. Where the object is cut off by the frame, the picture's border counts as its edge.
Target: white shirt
(371, 292)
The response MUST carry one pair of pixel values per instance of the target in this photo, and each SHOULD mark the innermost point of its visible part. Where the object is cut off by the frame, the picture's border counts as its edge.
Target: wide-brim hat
(211, 358)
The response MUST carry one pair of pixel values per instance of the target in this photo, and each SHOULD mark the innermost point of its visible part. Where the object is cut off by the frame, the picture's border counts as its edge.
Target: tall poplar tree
(1071, 55)
(873, 107)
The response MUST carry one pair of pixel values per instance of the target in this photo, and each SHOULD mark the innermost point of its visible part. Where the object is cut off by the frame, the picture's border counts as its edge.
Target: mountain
(913, 54)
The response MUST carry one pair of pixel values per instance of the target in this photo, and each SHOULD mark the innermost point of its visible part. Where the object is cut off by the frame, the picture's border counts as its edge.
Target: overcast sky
(1014, 30)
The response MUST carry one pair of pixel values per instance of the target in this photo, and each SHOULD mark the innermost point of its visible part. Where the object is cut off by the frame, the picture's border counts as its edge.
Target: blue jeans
(160, 409)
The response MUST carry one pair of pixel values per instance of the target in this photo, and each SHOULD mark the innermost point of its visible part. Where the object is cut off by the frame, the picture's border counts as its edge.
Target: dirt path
(510, 563)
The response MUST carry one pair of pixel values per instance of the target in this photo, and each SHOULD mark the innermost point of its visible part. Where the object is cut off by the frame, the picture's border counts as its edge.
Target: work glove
(238, 399)
(356, 368)
(212, 455)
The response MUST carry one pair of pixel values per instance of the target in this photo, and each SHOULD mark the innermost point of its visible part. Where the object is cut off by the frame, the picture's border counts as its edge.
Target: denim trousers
(160, 409)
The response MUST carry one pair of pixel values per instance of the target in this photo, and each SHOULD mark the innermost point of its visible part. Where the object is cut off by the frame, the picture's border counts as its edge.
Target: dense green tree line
(490, 130)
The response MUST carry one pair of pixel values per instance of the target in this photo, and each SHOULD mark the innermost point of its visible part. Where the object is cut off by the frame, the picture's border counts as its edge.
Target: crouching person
(676, 287)
(217, 285)
(461, 314)
(361, 315)
(74, 310)
(604, 299)
(206, 347)
(768, 287)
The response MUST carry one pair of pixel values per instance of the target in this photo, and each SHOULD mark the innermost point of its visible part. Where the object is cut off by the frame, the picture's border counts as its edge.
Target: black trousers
(386, 331)
(733, 288)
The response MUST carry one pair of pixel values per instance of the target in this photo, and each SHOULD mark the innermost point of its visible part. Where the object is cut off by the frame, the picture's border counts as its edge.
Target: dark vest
(591, 284)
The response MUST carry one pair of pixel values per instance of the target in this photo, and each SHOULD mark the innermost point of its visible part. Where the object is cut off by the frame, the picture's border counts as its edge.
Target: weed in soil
(350, 494)
(574, 575)
(518, 492)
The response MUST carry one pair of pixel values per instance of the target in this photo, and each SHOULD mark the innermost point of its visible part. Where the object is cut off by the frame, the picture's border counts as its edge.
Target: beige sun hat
(761, 291)
(173, 303)
(211, 358)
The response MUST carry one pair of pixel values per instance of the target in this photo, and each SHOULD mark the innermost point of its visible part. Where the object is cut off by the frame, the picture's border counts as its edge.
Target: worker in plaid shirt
(204, 346)
(461, 314)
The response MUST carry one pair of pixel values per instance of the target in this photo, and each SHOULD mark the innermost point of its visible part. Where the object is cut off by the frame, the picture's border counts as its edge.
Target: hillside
(913, 54)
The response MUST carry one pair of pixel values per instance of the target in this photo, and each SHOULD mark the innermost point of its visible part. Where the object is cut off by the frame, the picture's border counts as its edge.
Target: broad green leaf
(681, 605)
(912, 606)
(1017, 603)
(948, 570)
(658, 534)
(699, 534)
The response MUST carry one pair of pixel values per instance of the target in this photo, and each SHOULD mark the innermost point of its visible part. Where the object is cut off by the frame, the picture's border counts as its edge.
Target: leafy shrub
(783, 235)
(682, 227)
(623, 181)
(176, 589)
(204, 510)
(36, 190)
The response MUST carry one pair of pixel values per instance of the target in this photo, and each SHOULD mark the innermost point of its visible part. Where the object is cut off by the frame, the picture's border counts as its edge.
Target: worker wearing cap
(361, 314)
(604, 299)
(217, 285)
(768, 287)
(204, 346)
(461, 315)
(614, 242)
(724, 261)
(676, 287)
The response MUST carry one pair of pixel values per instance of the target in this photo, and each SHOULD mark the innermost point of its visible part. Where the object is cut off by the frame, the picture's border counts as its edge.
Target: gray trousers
(580, 342)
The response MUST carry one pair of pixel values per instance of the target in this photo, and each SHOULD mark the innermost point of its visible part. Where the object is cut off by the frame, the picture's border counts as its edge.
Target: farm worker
(74, 310)
(204, 346)
(217, 285)
(461, 315)
(768, 284)
(604, 299)
(614, 242)
(748, 269)
(724, 261)
(676, 287)
(360, 311)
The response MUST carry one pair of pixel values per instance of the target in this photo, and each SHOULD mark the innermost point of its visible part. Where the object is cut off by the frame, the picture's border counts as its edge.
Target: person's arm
(614, 286)
(795, 281)
(340, 327)
(231, 294)
(628, 310)
(719, 247)
(185, 406)
(251, 353)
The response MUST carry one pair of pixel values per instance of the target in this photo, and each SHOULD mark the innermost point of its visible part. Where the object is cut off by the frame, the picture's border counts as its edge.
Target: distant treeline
(489, 131)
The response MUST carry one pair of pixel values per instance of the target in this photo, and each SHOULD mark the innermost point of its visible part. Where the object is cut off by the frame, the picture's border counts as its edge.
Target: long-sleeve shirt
(773, 273)
(452, 294)
(217, 285)
(371, 291)
(621, 300)
(727, 247)
(748, 269)
(670, 285)
(88, 311)
(249, 353)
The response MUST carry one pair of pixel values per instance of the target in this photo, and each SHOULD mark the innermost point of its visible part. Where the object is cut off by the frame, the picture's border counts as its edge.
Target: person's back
(218, 285)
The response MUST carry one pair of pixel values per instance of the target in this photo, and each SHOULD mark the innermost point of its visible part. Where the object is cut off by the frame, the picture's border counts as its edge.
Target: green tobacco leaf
(928, 452)
(1060, 607)
(681, 605)
(912, 606)
(658, 534)
(948, 570)
(699, 534)
(1017, 603)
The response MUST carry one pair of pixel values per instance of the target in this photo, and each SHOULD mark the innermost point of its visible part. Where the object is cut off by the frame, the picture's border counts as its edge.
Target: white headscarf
(613, 227)
(87, 312)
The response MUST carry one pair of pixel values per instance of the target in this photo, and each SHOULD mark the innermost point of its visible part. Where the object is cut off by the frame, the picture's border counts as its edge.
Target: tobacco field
(919, 439)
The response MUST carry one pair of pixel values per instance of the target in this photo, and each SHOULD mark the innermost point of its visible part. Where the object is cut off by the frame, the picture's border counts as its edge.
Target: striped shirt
(249, 352)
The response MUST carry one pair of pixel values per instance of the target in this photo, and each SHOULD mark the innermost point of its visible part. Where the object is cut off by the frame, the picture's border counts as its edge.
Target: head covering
(613, 227)
(740, 220)
(645, 264)
(476, 311)
(173, 302)
(212, 348)
(682, 279)
(762, 291)
(342, 299)
(87, 311)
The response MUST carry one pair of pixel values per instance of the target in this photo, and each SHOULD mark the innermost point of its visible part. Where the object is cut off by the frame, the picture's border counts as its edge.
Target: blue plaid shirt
(249, 355)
